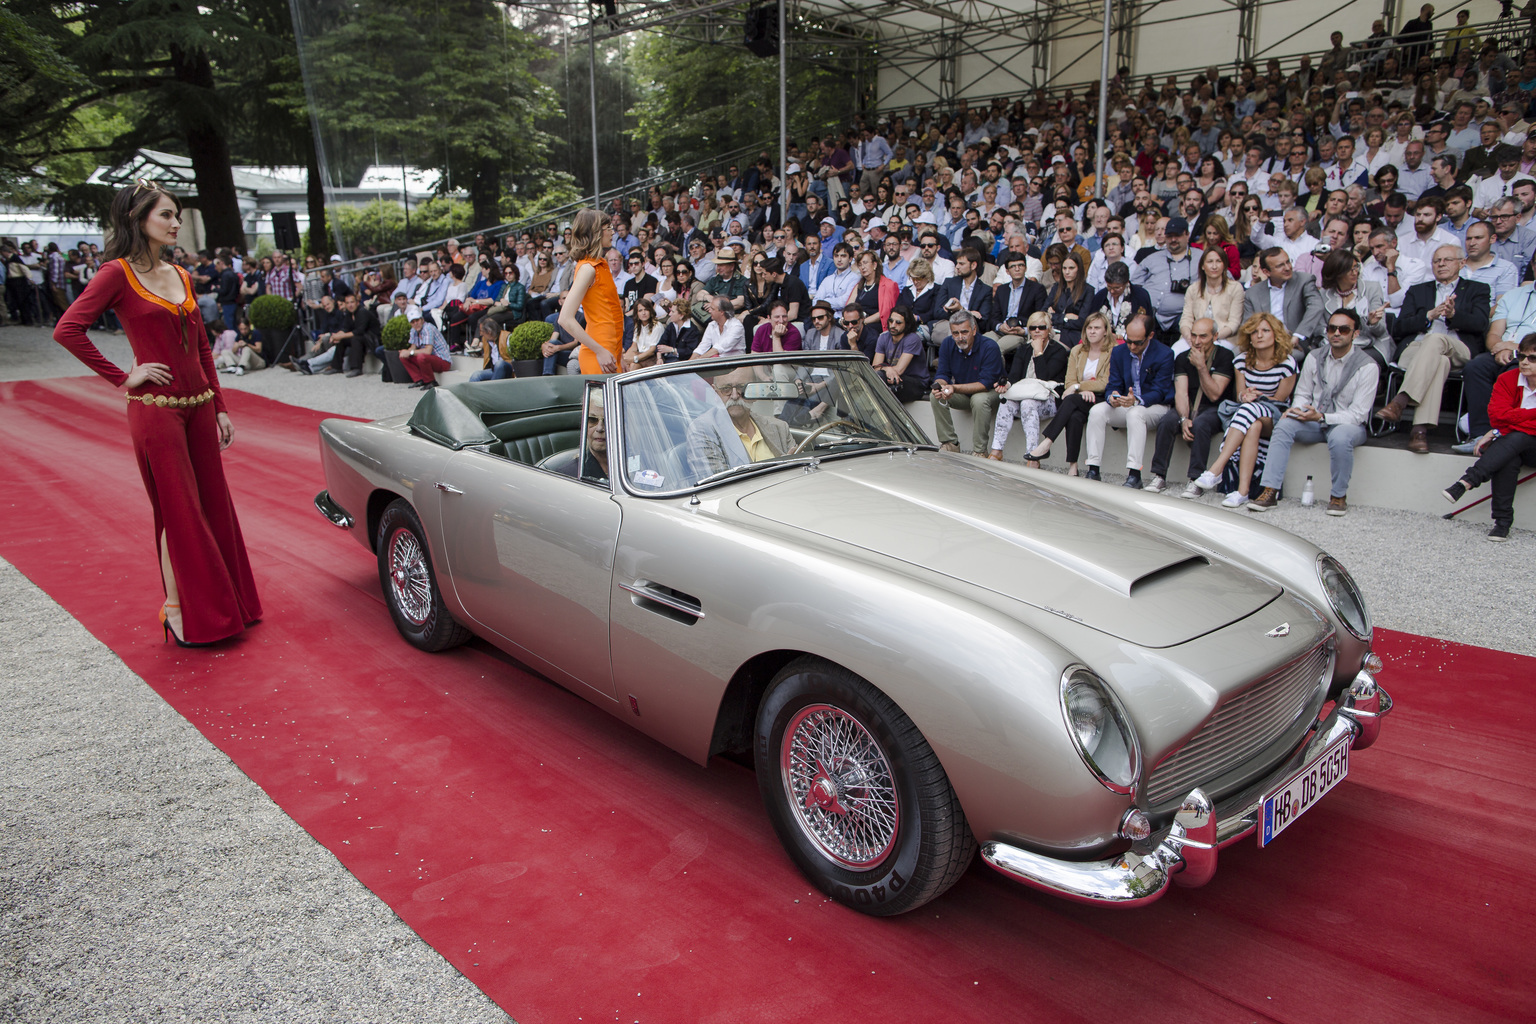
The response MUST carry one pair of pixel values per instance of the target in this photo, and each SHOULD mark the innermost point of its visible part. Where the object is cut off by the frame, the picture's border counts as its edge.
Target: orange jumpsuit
(605, 317)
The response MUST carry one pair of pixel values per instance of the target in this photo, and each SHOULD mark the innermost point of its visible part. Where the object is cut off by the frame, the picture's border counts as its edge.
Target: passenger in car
(729, 434)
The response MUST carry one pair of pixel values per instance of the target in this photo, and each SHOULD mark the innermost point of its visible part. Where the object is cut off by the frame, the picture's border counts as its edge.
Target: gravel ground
(129, 888)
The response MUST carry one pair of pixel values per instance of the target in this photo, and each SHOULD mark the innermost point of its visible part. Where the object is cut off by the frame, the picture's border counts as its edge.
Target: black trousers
(350, 352)
(1478, 377)
(1500, 463)
(1206, 426)
(1071, 416)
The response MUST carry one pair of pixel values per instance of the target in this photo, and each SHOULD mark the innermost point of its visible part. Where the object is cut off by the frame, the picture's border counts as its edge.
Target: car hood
(1001, 530)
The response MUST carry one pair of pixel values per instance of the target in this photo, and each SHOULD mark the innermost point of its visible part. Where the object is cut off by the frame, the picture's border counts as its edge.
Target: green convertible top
(461, 415)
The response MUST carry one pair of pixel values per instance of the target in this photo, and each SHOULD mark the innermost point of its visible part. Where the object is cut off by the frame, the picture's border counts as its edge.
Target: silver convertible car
(766, 558)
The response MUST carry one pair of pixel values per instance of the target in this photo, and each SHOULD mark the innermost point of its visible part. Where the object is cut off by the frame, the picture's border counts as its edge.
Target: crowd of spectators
(1249, 223)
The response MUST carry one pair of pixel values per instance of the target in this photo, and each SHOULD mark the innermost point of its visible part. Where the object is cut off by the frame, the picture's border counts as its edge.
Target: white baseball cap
(413, 312)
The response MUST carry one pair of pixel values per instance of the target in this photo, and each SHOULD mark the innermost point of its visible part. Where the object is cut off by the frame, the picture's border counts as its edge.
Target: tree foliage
(444, 84)
(710, 97)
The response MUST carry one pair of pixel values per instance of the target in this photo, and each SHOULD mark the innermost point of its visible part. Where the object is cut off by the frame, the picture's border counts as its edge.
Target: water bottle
(1307, 496)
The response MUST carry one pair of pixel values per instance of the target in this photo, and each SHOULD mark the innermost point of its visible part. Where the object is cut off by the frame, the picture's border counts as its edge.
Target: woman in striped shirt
(1266, 376)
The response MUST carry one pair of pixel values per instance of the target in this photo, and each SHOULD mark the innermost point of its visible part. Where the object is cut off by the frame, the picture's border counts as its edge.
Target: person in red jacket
(176, 416)
(1510, 444)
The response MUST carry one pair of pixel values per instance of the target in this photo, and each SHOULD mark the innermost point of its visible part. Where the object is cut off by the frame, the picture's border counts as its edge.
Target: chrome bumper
(1188, 854)
(334, 513)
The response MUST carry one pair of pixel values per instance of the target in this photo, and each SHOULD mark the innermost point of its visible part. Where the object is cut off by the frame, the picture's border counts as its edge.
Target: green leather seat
(532, 439)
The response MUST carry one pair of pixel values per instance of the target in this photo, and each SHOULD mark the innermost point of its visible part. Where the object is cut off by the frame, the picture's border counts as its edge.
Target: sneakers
(949, 446)
(1133, 479)
(1500, 533)
(1156, 485)
(239, 371)
(1268, 498)
(354, 373)
(1337, 506)
(1454, 492)
(1466, 447)
(1234, 500)
(1194, 490)
(1092, 474)
(1208, 481)
(303, 365)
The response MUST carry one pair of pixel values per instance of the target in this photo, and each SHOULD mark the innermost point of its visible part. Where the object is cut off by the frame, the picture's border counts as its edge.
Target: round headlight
(1099, 729)
(1344, 596)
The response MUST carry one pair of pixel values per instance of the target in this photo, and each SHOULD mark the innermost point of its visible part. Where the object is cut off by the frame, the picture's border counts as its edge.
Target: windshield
(689, 428)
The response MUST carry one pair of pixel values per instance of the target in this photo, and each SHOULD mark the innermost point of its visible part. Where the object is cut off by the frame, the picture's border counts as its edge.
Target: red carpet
(575, 870)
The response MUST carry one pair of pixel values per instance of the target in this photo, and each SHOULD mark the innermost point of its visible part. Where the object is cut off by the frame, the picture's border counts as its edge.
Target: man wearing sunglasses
(1332, 405)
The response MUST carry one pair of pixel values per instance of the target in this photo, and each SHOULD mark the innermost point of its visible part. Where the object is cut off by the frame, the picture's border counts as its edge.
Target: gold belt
(174, 401)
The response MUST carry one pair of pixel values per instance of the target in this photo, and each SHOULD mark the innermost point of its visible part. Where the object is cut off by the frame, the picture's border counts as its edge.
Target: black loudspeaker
(763, 30)
(285, 230)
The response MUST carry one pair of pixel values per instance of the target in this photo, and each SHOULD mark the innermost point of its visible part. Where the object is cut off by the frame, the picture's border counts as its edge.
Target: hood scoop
(1024, 540)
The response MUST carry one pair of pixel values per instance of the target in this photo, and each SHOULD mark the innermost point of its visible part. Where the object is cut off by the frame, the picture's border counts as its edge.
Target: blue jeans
(228, 311)
(1341, 437)
(558, 361)
(501, 371)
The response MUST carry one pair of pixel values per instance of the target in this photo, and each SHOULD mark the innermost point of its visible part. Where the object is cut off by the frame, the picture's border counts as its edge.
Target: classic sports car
(765, 557)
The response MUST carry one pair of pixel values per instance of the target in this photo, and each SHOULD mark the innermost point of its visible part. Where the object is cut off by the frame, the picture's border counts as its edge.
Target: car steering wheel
(813, 435)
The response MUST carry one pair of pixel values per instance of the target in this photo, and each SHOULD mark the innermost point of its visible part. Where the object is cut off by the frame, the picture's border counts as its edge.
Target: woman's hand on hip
(226, 431)
(148, 373)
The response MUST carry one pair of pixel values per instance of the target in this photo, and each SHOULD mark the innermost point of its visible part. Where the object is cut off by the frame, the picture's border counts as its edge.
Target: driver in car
(731, 434)
(594, 455)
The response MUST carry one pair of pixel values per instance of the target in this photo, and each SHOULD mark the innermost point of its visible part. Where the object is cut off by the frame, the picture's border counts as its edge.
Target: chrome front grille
(1244, 724)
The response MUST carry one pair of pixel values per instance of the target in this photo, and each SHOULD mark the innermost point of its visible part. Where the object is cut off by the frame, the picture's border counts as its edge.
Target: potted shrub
(524, 348)
(271, 317)
(395, 336)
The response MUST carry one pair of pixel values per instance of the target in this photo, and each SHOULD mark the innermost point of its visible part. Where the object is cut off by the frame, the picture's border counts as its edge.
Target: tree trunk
(209, 150)
(485, 193)
(319, 230)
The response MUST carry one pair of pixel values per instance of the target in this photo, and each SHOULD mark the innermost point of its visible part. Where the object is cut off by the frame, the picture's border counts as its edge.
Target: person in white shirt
(1390, 269)
(1483, 265)
(943, 269)
(1295, 239)
(1348, 169)
(1111, 250)
(724, 336)
(1253, 173)
(1497, 186)
(1332, 405)
(837, 287)
(1428, 235)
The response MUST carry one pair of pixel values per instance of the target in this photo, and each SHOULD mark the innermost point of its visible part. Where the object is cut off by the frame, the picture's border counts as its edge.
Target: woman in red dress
(176, 417)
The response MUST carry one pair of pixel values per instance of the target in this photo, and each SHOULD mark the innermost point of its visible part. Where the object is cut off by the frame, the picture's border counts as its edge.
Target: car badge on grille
(1284, 629)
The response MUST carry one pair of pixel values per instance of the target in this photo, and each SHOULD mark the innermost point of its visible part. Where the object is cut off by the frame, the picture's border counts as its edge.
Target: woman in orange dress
(593, 293)
(176, 417)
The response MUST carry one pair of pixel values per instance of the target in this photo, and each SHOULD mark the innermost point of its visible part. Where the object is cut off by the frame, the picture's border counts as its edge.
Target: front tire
(410, 585)
(856, 795)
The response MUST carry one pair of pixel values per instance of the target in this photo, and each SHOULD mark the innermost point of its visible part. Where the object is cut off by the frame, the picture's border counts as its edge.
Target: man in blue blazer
(965, 290)
(1137, 397)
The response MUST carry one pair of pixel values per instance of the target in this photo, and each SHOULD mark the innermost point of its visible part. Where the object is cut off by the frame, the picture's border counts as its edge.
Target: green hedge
(396, 333)
(527, 340)
(270, 313)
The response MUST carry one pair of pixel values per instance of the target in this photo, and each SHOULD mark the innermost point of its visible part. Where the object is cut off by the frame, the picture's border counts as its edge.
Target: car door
(530, 553)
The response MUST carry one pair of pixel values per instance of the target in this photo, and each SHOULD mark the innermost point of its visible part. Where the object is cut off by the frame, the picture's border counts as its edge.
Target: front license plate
(1304, 790)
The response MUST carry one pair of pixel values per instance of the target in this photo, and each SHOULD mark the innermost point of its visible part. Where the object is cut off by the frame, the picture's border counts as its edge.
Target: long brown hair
(586, 235)
(125, 222)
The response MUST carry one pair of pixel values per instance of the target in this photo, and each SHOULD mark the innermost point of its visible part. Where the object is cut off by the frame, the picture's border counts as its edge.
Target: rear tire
(856, 795)
(409, 584)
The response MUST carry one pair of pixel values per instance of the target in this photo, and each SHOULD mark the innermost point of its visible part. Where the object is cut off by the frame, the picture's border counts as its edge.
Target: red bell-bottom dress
(176, 439)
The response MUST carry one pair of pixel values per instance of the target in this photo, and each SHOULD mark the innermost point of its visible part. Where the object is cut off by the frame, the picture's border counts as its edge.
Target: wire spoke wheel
(409, 581)
(840, 785)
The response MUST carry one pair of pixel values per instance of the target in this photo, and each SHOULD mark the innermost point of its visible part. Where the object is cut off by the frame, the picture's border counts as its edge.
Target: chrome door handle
(666, 597)
(448, 488)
